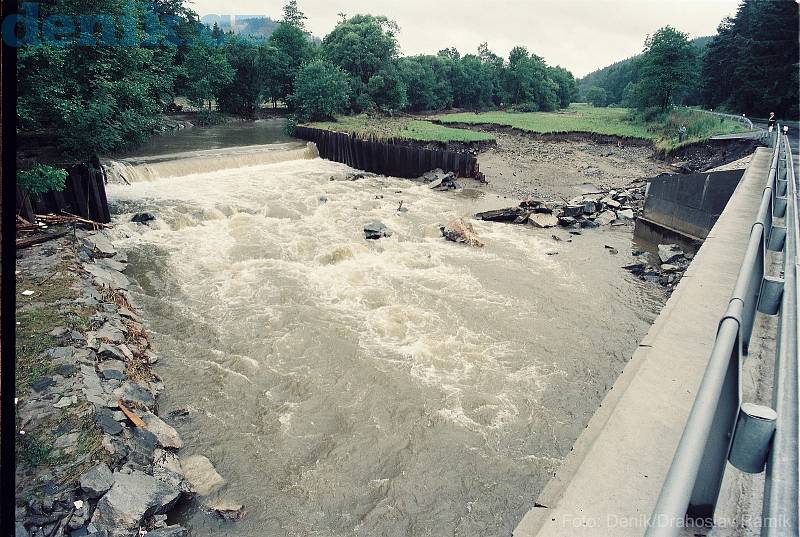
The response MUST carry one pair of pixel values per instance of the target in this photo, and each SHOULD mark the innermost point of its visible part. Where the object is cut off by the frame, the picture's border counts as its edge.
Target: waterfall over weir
(140, 169)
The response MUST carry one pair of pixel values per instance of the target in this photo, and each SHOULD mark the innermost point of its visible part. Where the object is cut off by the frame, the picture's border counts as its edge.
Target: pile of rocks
(670, 267)
(100, 387)
(440, 180)
(587, 211)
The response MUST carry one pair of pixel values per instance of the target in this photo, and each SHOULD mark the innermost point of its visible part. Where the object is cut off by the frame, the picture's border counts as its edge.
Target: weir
(140, 169)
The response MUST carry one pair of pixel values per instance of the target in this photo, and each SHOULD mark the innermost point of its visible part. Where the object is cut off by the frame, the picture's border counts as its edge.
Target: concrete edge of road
(548, 500)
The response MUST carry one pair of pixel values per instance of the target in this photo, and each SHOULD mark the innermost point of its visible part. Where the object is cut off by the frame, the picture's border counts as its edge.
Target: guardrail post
(752, 437)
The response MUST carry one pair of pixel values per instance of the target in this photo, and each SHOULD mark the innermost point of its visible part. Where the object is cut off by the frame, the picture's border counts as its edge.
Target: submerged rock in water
(143, 218)
(202, 475)
(459, 230)
(376, 230)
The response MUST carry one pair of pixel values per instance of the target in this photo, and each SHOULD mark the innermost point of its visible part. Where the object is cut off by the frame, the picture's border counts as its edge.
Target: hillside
(615, 77)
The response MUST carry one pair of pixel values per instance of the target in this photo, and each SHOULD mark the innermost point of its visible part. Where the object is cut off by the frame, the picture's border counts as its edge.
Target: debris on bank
(667, 270)
(614, 207)
(94, 457)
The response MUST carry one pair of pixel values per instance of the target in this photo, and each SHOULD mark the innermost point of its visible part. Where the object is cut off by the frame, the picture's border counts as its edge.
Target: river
(403, 387)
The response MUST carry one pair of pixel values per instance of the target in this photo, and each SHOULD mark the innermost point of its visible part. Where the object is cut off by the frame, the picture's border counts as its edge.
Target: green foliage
(289, 48)
(666, 68)
(208, 72)
(751, 65)
(242, 95)
(321, 91)
(362, 45)
(597, 96)
(41, 178)
(94, 99)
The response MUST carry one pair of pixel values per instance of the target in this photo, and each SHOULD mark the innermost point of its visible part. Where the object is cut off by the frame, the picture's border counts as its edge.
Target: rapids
(402, 387)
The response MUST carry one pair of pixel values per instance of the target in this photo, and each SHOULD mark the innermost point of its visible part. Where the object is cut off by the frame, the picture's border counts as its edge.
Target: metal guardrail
(721, 427)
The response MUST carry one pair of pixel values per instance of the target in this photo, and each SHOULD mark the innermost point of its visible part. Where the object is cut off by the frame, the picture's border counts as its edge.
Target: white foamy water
(407, 386)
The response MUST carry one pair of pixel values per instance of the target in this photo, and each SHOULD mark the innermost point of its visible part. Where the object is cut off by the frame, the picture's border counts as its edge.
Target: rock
(522, 218)
(105, 420)
(226, 510)
(589, 224)
(42, 384)
(99, 245)
(625, 214)
(97, 481)
(666, 267)
(108, 333)
(113, 264)
(131, 499)
(112, 370)
(201, 474)
(61, 331)
(64, 402)
(668, 253)
(167, 436)
(142, 218)
(142, 446)
(589, 207)
(167, 468)
(543, 220)
(572, 210)
(605, 218)
(67, 440)
(501, 215)
(134, 393)
(111, 351)
(609, 202)
(375, 231)
(459, 230)
(529, 202)
(169, 531)
(92, 388)
(20, 531)
(105, 276)
(567, 221)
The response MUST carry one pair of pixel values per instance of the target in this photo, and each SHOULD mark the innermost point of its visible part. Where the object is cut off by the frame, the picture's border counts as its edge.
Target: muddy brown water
(403, 387)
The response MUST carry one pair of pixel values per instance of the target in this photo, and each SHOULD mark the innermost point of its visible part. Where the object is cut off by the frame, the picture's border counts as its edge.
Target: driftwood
(130, 415)
(69, 218)
(25, 243)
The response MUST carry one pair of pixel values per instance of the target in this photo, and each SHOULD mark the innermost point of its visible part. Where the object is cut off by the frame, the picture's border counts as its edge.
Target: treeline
(750, 66)
(91, 96)
(362, 71)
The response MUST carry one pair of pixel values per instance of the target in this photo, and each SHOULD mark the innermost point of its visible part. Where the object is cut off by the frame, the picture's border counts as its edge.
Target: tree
(751, 66)
(293, 16)
(567, 88)
(596, 95)
(362, 45)
(208, 71)
(320, 91)
(95, 99)
(667, 67)
(292, 48)
(242, 94)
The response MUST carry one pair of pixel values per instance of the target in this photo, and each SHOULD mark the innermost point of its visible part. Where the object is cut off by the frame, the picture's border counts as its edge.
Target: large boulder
(201, 474)
(132, 498)
(543, 220)
(376, 230)
(459, 230)
(97, 481)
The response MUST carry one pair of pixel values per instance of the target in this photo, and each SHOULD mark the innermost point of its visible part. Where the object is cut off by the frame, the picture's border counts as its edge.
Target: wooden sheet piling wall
(387, 157)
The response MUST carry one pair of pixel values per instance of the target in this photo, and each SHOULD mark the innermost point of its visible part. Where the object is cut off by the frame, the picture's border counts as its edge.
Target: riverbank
(93, 456)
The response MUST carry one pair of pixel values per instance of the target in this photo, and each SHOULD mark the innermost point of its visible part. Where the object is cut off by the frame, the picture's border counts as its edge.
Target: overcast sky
(581, 35)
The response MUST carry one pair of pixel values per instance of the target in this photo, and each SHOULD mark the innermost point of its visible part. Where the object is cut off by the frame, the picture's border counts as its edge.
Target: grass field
(660, 128)
(404, 128)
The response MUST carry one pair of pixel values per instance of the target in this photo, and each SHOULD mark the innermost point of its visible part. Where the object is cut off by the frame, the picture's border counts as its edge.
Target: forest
(750, 66)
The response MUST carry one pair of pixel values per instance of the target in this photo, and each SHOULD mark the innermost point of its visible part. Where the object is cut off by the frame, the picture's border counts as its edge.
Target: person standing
(771, 121)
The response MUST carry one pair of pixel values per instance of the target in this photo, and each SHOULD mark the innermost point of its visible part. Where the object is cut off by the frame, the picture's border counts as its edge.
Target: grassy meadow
(659, 127)
(402, 128)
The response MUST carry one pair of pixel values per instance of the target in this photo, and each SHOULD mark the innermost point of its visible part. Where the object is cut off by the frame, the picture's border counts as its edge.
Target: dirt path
(521, 165)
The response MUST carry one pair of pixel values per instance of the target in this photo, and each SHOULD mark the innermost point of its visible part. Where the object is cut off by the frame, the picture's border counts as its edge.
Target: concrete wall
(687, 204)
